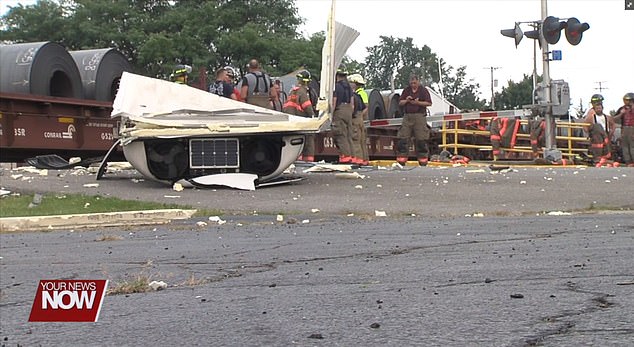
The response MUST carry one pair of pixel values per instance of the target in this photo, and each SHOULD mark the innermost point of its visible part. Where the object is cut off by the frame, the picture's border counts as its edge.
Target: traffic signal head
(574, 30)
(515, 33)
(551, 29)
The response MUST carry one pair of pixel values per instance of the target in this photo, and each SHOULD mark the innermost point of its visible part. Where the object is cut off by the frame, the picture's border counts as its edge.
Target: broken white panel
(244, 181)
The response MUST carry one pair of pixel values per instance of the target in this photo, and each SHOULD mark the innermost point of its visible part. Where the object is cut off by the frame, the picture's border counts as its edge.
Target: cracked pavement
(435, 278)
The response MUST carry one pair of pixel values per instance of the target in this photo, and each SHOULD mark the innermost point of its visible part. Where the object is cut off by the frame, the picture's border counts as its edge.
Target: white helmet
(231, 71)
(356, 78)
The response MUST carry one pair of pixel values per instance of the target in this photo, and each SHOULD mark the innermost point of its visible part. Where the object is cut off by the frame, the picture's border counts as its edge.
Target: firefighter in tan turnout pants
(342, 104)
(298, 103)
(359, 137)
(415, 99)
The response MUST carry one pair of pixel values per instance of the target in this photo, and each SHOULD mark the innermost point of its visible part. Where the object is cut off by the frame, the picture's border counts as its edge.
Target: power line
(601, 86)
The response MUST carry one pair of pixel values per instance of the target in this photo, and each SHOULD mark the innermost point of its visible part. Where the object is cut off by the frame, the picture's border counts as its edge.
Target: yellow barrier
(574, 144)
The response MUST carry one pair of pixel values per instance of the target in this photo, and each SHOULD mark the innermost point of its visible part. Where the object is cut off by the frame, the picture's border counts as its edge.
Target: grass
(137, 284)
(56, 204)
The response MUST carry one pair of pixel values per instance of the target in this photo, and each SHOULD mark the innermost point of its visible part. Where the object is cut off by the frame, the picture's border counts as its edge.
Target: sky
(467, 32)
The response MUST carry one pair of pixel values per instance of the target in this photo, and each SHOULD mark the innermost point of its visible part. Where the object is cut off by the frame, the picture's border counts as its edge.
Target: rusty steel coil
(391, 104)
(100, 71)
(376, 106)
(41, 68)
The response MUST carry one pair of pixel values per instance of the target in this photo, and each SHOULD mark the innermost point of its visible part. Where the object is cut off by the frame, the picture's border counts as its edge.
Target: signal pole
(492, 94)
(550, 149)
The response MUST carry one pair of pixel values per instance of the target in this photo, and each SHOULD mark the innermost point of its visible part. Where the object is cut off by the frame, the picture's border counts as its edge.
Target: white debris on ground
(558, 213)
(217, 220)
(157, 285)
(178, 187)
(172, 196)
(358, 186)
(352, 175)
(31, 169)
(290, 170)
(79, 171)
(91, 185)
(4, 192)
(314, 210)
(378, 213)
(305, 221)
(329, 168)
(474, 215)
(279, 218)
(201, 224)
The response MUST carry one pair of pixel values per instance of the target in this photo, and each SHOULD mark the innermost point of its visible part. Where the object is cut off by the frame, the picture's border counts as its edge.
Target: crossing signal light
(551, 29)
(515, 33)
(574, 30)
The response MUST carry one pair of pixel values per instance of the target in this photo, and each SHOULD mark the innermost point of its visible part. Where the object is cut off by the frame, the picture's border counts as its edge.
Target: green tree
(45, 21)
(157, 34)
(461, 92)
(516, 94)
(399, 58)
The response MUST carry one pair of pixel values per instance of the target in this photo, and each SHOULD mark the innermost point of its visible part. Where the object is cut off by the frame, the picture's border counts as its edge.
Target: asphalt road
(423, 191)
(438, 270)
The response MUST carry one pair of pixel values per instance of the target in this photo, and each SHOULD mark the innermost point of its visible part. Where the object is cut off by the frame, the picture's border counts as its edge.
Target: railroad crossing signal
(515, 33)
(574, 30)
(550, 29)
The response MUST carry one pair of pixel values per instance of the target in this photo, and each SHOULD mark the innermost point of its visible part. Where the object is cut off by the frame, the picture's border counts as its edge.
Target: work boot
(401, 160)
(423, 161)
(345, 159)
(357, 161)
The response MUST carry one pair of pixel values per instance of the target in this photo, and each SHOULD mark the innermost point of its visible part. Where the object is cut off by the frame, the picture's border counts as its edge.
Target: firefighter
(343, 106)
(625, 115)
(257, 88)
(180, 74)
(299, 104)
(601, 129)
(414, 99)
(360, 114)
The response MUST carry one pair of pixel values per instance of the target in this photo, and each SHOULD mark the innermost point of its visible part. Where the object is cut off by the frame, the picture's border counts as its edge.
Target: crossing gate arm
(453, 116)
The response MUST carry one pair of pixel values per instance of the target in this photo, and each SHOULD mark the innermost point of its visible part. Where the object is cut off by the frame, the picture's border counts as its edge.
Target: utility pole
(492, 94)
(601, 86)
